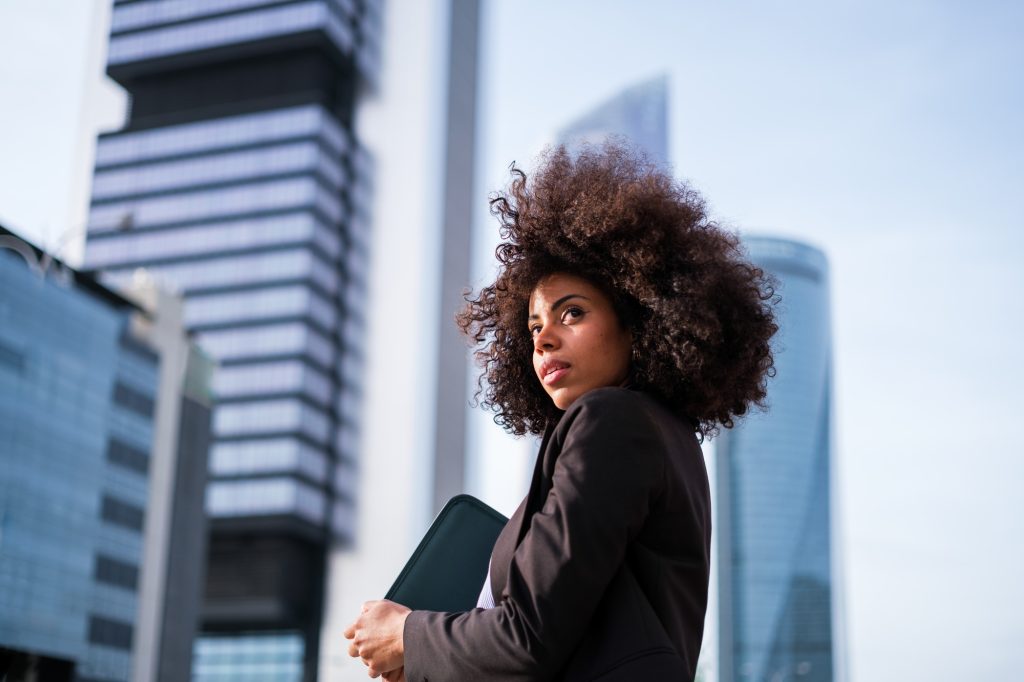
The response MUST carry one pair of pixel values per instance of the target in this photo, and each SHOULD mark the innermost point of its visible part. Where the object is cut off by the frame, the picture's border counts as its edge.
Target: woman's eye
(534, 329)
(572, 314)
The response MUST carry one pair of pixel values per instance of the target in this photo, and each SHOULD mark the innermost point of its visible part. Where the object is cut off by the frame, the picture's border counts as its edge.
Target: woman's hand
(377, 638)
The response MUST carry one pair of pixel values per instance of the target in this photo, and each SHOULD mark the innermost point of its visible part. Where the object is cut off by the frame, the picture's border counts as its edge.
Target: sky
(890, 135)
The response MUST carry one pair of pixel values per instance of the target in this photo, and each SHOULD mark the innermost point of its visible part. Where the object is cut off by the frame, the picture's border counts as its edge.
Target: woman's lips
(555, 375)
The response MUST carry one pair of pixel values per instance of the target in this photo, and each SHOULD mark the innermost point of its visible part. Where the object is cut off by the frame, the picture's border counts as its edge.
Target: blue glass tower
(77, 396)
(638, 113)
(774, 492)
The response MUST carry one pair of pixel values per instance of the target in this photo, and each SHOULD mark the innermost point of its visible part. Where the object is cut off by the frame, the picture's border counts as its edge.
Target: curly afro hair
(701, 315)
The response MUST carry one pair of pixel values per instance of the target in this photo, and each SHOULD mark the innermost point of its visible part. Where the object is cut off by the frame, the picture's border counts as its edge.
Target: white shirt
(486, 598)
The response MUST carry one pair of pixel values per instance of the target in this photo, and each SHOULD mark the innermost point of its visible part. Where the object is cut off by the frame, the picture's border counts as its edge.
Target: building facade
(86, 391)
(639, 113)
(774, 492)
(237, 181)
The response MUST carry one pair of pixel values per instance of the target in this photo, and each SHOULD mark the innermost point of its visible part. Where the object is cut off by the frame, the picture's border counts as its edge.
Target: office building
(247, 177)
(776, 590)
(639, 113)
(103, 423)
(238, 182)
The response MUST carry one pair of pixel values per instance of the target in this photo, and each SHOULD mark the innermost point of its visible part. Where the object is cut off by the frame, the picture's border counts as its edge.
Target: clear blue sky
(889, 134)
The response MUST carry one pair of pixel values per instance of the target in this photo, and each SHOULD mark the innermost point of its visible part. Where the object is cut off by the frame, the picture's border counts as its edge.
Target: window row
(271, 416)
(221, 167)
(232, 271)
(115, 572)
(110, 632)
(152, 12)
(127, 456)
(269, 378)
(265, 496)
(121, 513)
(216, 32)
(232, 458)
(341, 32)
(246, 306)
(222, 133)
(138, 402)
(249, 647)
(290, 338)
(219, 203)
(133, 247)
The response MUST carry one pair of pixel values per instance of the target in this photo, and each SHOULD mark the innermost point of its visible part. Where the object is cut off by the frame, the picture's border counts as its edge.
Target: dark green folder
(448, 568)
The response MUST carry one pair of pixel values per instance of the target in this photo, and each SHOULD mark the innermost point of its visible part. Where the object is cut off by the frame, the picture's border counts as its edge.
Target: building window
(116, 572)
(265, 496)
(11, 358)
(256, 197)
(274, 656)
(133, 400)
(207, 238)
(127, 456)
(263, 268)
(110, 632)
(122, 513)
(223, 133)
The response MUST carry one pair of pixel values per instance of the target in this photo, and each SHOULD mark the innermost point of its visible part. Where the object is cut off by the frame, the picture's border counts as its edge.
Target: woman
(623, 324)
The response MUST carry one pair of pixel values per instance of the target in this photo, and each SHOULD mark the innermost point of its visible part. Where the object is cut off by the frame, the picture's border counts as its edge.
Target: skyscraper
(639, 113)
(103, 427)
(238, 180)
(774, 490)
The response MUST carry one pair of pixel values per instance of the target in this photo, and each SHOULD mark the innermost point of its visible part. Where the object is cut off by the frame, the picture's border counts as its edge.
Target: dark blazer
(602, 572)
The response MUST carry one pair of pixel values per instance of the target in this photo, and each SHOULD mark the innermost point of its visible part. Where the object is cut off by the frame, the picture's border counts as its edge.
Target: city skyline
(885, 135)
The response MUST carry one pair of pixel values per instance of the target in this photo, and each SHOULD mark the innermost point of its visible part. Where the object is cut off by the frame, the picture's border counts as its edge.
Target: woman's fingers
(378, 630)
(396, 675)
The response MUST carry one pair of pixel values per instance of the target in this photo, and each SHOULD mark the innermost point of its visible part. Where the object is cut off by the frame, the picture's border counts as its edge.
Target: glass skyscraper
(774, 492)
(77, 394)
(238, 181)
(638, 113)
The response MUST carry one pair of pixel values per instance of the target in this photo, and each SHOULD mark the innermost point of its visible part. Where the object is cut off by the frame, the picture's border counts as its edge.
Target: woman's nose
(545, 340)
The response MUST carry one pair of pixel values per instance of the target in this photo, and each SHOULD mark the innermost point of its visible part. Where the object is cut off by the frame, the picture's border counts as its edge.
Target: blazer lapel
(514, 531)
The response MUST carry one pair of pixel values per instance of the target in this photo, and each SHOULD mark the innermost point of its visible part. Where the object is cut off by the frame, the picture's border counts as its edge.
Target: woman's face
(578, 342)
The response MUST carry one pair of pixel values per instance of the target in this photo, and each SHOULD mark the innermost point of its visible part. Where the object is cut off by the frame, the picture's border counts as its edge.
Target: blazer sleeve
(606, 479)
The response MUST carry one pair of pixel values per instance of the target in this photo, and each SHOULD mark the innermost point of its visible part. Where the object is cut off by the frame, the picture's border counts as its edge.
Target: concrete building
(420, 127)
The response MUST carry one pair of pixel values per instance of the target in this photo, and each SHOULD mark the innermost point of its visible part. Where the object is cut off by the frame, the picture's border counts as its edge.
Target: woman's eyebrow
(559, 302)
